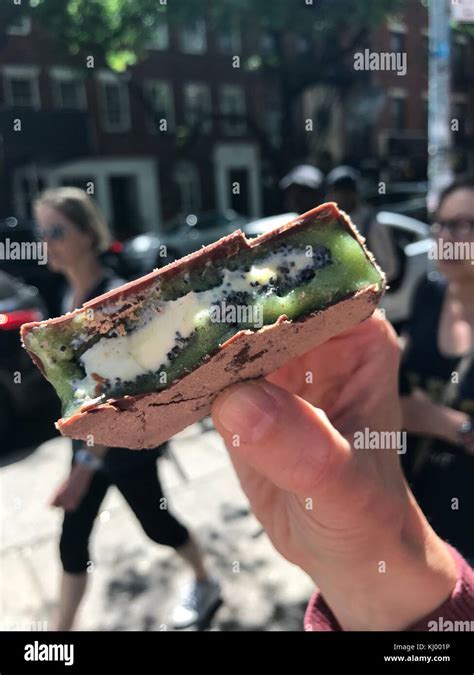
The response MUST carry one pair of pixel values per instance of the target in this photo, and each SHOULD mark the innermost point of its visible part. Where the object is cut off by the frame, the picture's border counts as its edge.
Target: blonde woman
(76, 234)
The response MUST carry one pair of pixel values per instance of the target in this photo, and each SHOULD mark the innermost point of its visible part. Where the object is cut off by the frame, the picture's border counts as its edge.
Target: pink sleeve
(459, 607)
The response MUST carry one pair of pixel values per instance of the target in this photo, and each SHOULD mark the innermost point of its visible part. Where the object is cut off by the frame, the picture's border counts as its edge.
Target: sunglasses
(458, 228)
(53, 233)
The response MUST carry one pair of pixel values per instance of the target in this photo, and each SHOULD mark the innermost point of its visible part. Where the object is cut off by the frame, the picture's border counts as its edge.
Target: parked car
(29, 271)
(413, 241)
(186, 234)
(145, 252)
(257, 227)
(23, 390)
(183, 235)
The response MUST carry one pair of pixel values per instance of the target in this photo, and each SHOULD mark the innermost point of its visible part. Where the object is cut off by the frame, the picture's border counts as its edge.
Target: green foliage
(118, 30)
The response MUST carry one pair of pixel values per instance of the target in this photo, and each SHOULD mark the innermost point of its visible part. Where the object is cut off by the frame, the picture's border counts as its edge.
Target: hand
(423, 417)
(70, 493)
(344, 515)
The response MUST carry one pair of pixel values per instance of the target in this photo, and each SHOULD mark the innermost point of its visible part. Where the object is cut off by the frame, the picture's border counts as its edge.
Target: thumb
(279, 435)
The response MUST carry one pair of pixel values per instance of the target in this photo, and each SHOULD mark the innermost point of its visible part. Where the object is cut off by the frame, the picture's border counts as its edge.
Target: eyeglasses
(53, 233)
(458, 228)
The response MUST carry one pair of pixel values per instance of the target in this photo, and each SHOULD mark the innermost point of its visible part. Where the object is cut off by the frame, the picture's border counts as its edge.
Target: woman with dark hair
(76, 234)
(437, 376)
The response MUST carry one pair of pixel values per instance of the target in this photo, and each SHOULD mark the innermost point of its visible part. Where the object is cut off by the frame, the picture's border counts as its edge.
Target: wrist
(405, 577)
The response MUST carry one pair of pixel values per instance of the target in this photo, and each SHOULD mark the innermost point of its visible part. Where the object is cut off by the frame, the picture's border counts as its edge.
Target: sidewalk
(134, 582)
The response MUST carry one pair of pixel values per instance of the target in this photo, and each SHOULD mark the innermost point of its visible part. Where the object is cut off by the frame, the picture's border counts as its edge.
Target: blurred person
(343, 187)
(437, 377)
(343, 514)
(76, 234)
(302, 188)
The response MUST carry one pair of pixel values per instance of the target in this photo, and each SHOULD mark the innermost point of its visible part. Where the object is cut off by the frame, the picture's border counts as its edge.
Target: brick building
(159, 140)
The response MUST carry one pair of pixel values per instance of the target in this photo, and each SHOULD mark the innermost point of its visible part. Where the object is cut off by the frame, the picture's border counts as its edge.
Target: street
(133, 582)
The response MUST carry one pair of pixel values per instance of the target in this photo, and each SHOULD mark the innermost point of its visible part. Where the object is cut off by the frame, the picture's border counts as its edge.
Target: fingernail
(248, 412)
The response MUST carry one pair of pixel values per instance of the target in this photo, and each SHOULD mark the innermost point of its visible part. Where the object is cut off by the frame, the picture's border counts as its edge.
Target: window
(193, 37)
(398, 111)
(397, 42)
(22, 26)
(229, 38)
(21, 89)
(115, 106)
(21, 86)
(272, 115)
(197, 101)
(160, 39)
(69, 89)
(70, 94)
(187, 179)
(232, 104)
(160, 96)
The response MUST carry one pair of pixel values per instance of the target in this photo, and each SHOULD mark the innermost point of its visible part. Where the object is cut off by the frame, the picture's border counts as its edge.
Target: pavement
(133, 582)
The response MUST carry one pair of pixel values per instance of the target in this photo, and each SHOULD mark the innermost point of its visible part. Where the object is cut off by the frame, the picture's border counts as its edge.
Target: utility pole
(439, 100)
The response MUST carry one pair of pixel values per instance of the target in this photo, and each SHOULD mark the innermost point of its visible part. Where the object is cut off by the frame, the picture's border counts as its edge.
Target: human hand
(70, 493)
(344, 515)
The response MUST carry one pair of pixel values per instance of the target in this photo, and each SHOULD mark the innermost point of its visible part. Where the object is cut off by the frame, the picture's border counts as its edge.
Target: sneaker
(198, 600)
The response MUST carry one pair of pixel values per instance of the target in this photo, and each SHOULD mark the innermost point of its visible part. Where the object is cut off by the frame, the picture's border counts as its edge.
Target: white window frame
(232, 128)
(229, 156)
(185, 42)
(23, 28)
(207, 126)
(100, 170)
(30, 73)
(105, 79)
(149, 85)
(58, 76)
(186, 175)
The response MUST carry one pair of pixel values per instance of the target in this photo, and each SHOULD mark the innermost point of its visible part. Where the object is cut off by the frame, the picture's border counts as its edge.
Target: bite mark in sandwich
(143, 361)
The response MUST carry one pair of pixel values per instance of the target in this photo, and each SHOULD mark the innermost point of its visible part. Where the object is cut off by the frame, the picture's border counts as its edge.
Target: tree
(309, 42)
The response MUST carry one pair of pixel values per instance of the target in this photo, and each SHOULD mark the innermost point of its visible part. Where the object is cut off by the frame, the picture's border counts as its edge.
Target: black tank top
(448, 472)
